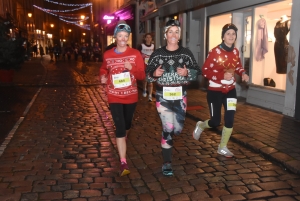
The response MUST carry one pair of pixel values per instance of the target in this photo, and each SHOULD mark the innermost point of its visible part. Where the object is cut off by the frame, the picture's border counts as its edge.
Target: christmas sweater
(217, 63)
(170, 61)
(121, 83)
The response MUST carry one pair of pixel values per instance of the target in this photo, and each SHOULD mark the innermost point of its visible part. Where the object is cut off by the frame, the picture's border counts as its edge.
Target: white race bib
(172, 93)
(231, 103)
(121, 80)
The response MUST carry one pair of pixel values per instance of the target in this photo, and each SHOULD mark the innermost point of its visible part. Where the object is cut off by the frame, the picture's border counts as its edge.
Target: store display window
(271, 44)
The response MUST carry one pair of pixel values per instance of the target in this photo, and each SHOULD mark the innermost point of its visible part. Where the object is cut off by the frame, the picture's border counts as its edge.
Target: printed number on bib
(231, 103)
(121, 80)
(172, 93)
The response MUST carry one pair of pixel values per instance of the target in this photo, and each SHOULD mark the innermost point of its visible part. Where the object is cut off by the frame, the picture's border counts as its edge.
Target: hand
(127, 65)
(158, 72)
(228, 76)
(182, 71)
(103, 79)
(245, 77)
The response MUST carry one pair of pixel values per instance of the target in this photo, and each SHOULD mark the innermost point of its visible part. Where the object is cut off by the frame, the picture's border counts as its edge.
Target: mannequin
(281, 29)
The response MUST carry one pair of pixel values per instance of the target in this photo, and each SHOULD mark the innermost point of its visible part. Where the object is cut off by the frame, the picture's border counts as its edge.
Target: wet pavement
(64, 149)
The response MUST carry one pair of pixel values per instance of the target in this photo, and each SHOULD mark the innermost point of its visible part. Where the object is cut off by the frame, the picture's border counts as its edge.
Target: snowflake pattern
(218, 51)
(211, 65)
(214, 77)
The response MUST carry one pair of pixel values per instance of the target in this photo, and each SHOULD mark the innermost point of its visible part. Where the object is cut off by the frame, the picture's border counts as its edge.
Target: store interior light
(82, 17)
(81, 23)
(83, 34)
(29, 14)
(52, 25)
(70, 30)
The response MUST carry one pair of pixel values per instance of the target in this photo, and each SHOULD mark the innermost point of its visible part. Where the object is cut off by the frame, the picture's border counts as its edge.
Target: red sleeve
(138, 70)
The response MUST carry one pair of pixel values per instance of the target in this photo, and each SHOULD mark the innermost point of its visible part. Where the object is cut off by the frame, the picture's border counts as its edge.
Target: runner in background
(146, 48)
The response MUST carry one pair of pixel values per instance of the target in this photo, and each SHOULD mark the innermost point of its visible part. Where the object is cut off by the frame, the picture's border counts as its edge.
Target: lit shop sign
(108, 18)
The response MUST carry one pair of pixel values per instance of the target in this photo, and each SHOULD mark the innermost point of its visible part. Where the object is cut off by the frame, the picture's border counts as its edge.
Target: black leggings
(215, 100)
(122, 115)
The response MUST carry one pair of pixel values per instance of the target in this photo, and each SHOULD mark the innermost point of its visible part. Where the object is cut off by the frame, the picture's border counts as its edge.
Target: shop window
(215, 29)
(271, 44)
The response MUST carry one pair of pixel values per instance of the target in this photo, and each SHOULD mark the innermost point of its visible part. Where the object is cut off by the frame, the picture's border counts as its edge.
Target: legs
(122, 115)
(215, 101)
(150, 89)
(172, 115)
(145, 87)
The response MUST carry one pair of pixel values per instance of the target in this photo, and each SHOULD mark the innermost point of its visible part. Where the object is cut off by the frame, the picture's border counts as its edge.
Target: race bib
(231, 103)
(172, 93)
(121, 80)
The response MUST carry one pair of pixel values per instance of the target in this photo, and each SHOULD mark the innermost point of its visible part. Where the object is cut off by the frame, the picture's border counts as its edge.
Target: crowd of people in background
(67, 52)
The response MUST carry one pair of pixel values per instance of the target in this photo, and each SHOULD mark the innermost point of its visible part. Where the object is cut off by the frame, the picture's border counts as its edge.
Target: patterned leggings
(172, 115)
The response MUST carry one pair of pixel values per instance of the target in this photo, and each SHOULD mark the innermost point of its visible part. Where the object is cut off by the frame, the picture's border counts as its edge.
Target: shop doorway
(246, 43)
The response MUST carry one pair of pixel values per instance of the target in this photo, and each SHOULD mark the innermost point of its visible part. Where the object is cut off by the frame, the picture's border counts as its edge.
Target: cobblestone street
(65, 149)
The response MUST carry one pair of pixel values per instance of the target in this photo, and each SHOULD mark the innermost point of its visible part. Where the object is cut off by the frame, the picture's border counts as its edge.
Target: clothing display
(262, 40)
(281, 46)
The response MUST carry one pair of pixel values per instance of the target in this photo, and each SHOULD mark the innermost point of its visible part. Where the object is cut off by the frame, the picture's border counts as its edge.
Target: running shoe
(197, 131)
(124, 170)
(167, 169)
(225, 152)
(144, 94)
(150, 98)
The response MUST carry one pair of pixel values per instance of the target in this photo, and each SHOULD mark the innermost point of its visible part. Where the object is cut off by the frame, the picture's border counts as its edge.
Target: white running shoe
(197, 132)
(225, 152)
(150, 98)
(144, 94)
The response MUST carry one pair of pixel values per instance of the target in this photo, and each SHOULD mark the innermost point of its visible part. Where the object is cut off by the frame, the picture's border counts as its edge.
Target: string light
(65, 4)
(61, 11)
(85, 26)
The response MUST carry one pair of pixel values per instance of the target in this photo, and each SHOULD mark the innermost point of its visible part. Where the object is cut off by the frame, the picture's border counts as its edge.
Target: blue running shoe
(167, 169)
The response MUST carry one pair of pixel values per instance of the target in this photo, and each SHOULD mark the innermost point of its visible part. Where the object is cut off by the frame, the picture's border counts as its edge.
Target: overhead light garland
(66, 4)
(63, 18)
(61, 11)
